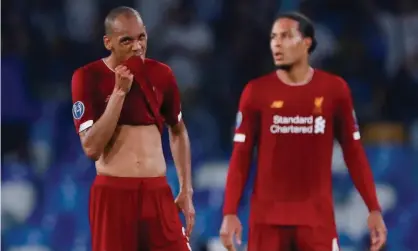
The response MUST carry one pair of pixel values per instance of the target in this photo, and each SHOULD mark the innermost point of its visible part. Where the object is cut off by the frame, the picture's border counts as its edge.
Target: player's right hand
(378, 231)
(123, 79)
(231, 227)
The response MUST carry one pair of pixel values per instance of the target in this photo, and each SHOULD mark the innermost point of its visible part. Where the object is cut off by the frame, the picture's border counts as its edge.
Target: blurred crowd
(214, 48)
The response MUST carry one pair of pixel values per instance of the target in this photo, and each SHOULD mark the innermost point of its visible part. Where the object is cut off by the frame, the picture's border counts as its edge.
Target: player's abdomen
(292, 190)
(133, 151)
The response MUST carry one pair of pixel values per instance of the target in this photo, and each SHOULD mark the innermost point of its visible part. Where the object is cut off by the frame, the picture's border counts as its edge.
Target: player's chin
(282, 65)
(279, 61)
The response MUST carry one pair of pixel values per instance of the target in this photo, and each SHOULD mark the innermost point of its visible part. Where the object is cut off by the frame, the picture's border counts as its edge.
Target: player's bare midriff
(133, 151)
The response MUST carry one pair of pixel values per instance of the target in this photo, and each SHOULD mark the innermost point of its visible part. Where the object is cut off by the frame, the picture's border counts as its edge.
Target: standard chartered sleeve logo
(298, 125)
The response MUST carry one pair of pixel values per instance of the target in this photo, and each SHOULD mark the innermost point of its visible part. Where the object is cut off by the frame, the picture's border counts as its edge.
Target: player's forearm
(180, 149)
(102, 130)
(361, 174)
(239, 168)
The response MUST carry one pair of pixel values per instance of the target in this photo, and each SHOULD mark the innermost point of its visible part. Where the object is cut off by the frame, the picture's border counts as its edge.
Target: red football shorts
(263, 237)
(133, 214)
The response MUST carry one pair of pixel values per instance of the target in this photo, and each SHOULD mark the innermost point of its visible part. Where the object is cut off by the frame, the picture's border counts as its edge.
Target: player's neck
(111, 62)
(297, 75)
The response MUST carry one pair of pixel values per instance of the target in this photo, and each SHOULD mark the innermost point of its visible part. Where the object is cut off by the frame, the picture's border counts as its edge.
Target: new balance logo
(277, 104)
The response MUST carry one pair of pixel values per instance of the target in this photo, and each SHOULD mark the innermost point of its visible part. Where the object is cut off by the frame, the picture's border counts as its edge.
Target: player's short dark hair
(115, 13)
(306, 26)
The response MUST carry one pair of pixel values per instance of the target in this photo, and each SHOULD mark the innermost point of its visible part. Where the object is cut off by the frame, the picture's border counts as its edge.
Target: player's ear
(107, 42)
(145, 31)
(308, 42)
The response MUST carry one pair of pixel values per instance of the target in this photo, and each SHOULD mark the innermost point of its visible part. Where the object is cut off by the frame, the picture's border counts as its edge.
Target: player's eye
(125, 41)
(285, 35)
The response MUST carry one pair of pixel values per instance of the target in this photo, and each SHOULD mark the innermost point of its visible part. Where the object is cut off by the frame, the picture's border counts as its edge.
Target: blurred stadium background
(214, 48)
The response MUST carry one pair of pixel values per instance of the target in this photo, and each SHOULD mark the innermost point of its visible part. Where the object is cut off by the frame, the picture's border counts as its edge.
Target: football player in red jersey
(292, 116)
(120, 105)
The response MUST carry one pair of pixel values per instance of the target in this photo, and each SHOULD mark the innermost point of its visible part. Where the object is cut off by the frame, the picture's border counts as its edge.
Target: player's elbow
(92, 153)
(90, 146)
(90, 150)
(178, 129)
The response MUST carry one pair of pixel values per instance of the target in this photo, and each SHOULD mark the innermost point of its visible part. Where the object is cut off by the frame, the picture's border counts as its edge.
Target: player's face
(129, 37)
(287, 43)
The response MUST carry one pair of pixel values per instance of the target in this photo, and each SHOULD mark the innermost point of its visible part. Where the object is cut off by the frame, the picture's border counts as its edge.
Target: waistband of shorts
(131, 182)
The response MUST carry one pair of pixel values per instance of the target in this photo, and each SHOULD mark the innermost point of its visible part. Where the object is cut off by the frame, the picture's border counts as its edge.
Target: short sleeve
(82, 109)
(171, 107)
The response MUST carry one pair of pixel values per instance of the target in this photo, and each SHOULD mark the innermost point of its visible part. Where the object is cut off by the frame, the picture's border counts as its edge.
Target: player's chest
(297, 112)
(137, 97)
(312, 104)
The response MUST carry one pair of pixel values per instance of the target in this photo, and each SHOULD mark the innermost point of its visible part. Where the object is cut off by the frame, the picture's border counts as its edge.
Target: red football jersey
(293, 129)
(93, 84)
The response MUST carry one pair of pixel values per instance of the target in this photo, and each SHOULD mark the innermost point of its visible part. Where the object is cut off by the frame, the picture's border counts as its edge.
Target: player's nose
(137, 46)
(277, 43)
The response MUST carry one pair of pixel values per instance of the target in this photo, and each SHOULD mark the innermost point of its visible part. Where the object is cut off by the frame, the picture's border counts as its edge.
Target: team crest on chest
(318, 105)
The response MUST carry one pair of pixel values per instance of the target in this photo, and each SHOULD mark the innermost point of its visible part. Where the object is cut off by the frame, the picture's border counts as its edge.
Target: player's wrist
(230, 215)
(186, 190)
(374, 207)
(375, 212)
(119, 93)
(229, 212)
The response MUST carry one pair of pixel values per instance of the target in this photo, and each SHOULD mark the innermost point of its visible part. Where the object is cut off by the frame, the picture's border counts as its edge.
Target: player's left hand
(185, 203)
(378, 231)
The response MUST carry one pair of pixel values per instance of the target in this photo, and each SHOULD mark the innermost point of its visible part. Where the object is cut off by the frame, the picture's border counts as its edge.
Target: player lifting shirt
(120, 104)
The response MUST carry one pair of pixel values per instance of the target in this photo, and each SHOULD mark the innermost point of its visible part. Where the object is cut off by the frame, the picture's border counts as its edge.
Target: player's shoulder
(334, 83)
(156, 65)
(329, 78)
(160, 74)
(260, 82)
(95, 67)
